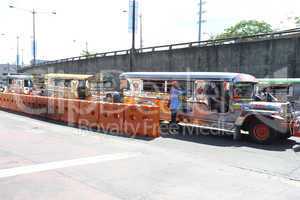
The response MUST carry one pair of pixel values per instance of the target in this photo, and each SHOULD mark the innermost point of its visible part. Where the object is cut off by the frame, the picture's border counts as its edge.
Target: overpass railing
(203, 43)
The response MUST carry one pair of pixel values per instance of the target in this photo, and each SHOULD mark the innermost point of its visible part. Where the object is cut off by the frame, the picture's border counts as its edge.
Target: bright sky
(105, 27)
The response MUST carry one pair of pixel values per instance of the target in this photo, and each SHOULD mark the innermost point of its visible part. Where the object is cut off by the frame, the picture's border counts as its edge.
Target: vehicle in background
(3, 84)
(70, 86)
(3, 87)
(105, 86)
(216, 102)
(284, 89)
(19, 83)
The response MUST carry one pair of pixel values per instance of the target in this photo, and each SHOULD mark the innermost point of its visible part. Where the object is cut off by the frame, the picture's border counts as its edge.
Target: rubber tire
(268, 140)
(284, 136)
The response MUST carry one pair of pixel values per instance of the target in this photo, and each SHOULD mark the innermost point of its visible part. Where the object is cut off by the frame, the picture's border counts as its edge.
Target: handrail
(175, 46)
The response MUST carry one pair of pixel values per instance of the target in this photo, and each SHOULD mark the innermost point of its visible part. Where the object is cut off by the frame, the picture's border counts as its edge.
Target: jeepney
(105, 86)
(284, 89)
(213, 101)
(71, 86)
(19, 83)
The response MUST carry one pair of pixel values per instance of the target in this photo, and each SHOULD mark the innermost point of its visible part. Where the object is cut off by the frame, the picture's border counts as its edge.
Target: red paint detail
(296, 129)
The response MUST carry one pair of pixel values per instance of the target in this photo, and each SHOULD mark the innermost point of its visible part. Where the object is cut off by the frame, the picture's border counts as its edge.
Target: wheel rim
(261, 132)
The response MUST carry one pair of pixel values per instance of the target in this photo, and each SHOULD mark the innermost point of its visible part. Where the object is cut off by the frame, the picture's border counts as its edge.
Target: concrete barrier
(124, 119)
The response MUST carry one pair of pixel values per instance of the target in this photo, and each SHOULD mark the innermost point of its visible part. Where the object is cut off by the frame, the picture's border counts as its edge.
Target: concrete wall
(278, 57)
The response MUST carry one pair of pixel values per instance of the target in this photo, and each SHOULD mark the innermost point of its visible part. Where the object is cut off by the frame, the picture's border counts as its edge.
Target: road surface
(41, 160)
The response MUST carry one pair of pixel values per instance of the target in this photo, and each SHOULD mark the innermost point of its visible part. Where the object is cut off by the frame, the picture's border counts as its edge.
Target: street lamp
(141, 28)
(33, 12)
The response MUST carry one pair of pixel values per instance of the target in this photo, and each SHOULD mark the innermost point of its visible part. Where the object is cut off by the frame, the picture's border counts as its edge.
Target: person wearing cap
(175, 103)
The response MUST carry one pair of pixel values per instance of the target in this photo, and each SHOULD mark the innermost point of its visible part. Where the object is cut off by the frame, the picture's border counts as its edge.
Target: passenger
(175, 103)
(226, 98)
(213, 94)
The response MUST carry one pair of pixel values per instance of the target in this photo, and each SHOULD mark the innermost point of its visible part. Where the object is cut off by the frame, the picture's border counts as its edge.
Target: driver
(268, 95)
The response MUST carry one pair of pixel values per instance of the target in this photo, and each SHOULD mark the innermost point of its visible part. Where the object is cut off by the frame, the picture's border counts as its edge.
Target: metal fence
(273, 35)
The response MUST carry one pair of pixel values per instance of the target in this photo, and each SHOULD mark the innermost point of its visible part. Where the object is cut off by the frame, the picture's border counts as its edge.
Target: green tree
(246, 28)
(297, 21)
(86, 53)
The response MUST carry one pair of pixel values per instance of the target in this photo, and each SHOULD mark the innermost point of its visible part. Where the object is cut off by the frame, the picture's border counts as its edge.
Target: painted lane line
(4, 173)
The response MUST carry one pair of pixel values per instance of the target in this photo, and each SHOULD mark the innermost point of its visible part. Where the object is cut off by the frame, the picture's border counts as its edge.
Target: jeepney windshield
(244, 90)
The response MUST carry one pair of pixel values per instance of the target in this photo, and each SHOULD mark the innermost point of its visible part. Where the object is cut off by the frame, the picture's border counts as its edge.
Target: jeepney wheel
(261, 133)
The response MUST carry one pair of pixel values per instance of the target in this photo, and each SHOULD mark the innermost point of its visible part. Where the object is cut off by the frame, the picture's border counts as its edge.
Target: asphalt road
(41, 160)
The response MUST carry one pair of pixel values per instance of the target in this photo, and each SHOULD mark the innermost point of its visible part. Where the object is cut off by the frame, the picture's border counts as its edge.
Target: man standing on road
(175, 102)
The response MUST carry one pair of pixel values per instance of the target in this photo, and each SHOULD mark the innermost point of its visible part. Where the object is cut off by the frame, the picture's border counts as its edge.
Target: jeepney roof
(223, 76)
(20, 76)
(278, 81)
(69, 76)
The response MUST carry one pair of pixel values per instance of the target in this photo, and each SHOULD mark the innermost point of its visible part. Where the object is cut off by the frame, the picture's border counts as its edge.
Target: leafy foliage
(297, 21)
(86, 53)
(246, 28)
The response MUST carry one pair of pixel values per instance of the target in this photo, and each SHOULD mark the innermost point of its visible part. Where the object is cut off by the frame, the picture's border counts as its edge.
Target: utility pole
(18, 55)
(141, 32)
(201, 11)
(34, 41)
(33, 12)
(133, 38)
(22, 52)
(86, 47)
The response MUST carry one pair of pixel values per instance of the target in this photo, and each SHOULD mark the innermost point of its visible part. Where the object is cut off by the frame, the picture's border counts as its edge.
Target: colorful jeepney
(284, 89)
(71, 86)
(214, 101)
(19, 83)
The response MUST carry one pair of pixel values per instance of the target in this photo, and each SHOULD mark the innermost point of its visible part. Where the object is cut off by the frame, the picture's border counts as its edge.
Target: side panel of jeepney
(205, 103)
(16, 86)
(210, 105)
(134, 90)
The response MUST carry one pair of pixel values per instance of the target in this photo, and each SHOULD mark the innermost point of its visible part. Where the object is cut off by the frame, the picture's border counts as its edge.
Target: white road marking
(4, 173)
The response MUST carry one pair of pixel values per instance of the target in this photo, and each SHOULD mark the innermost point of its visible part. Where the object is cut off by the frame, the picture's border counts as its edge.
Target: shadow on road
(227, 141)
(215, 140)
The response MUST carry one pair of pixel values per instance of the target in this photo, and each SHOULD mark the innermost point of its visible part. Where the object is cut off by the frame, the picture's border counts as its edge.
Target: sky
(103, 24)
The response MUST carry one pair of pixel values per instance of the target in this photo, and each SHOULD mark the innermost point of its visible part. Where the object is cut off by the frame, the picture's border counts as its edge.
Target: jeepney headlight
(286, 110)
(282, 111)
